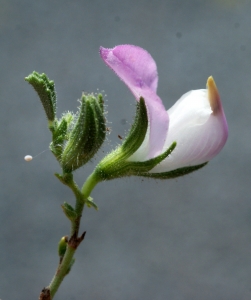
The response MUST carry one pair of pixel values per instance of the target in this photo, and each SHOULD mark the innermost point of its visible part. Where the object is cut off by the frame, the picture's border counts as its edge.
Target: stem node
(75, 241)
(45, 294)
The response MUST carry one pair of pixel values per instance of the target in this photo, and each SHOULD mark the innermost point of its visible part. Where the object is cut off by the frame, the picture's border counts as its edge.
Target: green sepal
(175, 173)
(62, 246)
(89, 202)
(137, 132)
(69, 211)
(87, 135)
(115, 164)
(101, 102)
(45, 89)
(129, 168)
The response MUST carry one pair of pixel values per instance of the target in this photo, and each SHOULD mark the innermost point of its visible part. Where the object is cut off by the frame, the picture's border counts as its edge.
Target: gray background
(182, 239)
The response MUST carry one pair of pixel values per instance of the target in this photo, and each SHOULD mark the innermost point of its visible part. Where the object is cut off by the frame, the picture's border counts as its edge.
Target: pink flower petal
(198, 125)
(138, 70)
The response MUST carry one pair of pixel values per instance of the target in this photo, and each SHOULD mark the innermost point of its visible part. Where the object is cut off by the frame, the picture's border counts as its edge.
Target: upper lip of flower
(138, 70)
(199, 113)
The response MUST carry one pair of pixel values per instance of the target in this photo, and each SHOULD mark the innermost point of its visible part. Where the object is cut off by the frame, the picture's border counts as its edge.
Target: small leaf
(89, 202)
(69, 211)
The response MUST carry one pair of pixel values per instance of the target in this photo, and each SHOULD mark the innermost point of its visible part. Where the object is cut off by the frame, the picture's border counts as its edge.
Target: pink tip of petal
(104, 52)
(132, 64)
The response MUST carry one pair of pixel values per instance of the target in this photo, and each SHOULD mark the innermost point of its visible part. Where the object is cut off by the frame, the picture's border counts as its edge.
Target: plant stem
(65, 265)
(62, 271)
(89, 184)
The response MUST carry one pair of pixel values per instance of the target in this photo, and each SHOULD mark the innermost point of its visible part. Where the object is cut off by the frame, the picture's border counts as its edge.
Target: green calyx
(46, 92)
(175, 173)
(116, 164)
(86, 136)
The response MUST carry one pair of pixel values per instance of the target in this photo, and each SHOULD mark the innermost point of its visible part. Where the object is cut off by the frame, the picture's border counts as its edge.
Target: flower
(196, 122)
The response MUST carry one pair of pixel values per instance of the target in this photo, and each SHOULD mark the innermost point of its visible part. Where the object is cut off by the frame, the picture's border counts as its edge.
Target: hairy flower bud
(46, 92)
(60, 134)
(87, 134)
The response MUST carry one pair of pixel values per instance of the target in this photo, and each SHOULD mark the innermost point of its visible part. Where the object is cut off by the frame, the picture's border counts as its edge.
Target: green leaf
(89, 202)
(69, 211)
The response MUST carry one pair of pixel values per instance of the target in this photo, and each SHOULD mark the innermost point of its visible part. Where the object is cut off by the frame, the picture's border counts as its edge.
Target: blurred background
(182, 239)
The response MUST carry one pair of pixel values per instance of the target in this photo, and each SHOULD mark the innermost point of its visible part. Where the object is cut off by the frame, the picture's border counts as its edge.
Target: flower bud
(46, 92)
(62, 245)
(87, 134)
(60, 134)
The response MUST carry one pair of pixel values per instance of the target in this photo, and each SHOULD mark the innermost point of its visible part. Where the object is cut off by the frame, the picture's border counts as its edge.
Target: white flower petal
(199, 131)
